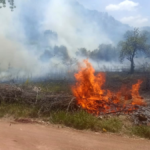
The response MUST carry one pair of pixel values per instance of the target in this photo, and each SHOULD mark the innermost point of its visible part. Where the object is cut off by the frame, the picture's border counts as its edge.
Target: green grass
(83, 120)
(112, 124)
(17, 110)
(141, 131)
(79, 120)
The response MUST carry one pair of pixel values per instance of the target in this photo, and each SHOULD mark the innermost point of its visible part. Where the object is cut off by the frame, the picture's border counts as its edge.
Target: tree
(11, 2)
(134, 45)
(105, 52)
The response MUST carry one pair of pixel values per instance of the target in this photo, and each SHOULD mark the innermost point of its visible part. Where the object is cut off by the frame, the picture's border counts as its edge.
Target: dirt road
(48, 137)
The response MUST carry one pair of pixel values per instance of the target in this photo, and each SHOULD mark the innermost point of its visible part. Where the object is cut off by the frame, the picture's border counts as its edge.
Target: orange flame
(92, 97)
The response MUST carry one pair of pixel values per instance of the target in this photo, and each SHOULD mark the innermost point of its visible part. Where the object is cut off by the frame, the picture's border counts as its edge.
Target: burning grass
(92, 97)
(87, 109)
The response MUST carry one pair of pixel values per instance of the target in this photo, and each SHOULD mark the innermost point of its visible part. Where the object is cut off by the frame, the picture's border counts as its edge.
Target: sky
(132, 12)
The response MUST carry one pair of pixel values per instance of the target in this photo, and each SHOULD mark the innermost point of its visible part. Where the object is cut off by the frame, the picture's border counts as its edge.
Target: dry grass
(17, 110)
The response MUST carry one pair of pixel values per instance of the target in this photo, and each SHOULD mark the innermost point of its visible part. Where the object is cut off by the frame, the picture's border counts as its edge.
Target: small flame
(92, 97)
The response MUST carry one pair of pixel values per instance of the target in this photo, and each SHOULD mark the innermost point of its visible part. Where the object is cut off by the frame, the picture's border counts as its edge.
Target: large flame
(92, 97)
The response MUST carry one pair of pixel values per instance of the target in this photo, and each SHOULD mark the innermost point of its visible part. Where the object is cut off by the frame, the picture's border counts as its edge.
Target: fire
(91, 96)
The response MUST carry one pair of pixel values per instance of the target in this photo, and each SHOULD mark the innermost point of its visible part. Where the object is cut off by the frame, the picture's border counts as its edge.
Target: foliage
(135, 42)
(11, 2)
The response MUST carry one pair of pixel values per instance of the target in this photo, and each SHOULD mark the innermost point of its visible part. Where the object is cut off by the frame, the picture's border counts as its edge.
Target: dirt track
(42, 137)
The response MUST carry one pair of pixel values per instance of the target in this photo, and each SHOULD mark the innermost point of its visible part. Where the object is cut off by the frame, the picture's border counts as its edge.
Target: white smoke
(73, 28)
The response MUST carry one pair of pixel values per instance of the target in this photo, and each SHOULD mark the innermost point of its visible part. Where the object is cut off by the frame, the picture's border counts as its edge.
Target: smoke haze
(40, 35)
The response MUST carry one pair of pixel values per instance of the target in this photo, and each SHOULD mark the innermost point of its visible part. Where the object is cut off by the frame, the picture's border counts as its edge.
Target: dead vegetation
(35, 97)
(114, 80)
(55, 103)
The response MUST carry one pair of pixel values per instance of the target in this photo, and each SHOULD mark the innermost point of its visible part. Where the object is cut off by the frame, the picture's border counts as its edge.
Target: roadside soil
(34, 136)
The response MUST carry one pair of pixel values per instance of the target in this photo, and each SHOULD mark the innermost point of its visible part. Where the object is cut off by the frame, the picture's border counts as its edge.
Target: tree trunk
(132, 66)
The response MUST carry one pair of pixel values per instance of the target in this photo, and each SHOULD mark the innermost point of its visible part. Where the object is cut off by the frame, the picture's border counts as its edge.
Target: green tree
(134, 43)
(11, 2)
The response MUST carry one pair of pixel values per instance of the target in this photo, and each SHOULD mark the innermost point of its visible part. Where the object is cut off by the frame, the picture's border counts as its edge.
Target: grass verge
(83, 120)
(141, 131)
(78, 119)
(18, 110)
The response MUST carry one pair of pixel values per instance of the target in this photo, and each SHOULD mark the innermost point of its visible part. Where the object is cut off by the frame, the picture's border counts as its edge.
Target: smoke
(67, 18)
(11, 52)
(38, 35)
(105, 52)
(74, 28)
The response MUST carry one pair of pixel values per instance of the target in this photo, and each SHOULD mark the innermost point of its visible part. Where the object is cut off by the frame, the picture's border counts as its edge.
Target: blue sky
(133, 12)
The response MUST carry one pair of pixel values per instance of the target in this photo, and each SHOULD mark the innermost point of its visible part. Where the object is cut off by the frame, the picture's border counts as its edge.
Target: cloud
(125, 5)
(136, 21)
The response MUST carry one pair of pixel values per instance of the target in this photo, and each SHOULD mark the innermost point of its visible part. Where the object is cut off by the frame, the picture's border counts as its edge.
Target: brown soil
(32, 136)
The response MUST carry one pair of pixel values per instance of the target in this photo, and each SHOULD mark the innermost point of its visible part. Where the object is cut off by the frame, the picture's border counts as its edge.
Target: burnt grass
(114, 81)
(77, 117)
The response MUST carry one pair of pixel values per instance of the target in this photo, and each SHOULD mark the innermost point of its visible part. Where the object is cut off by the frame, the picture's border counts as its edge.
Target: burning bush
(91, 96)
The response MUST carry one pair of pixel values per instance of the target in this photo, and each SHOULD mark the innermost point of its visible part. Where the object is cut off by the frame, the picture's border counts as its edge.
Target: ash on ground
(142, 115)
